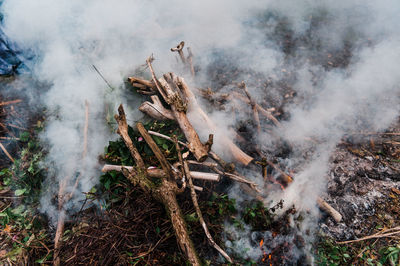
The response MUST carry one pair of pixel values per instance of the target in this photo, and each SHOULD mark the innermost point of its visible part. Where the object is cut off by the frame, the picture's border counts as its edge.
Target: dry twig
(6, 152)
(391, 232)
(198, 211)
(10, 102)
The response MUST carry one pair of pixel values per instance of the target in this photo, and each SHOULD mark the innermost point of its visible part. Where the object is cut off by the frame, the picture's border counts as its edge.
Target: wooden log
(156, 109)
(323, 205)
(173, 97)
(178, 106)
(142, 83)
(193, 105)
(165, 192)
(159, 173)
(123, 131)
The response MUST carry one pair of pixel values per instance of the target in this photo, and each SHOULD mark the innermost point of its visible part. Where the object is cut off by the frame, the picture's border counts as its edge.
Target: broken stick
(179, 49)
(194, 107)
(156, 109)
(199, 214)
(253, 105)
(159, 173)
(164, 192)
(6, 152)
(123, 131)
(172, 95)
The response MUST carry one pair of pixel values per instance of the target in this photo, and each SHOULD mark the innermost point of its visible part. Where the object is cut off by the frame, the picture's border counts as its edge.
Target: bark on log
(178, 105)
(329, 209)
(165, 193)
(156, 109)
(173, 97)
(193, 106)
(159, 173)
(138, 81)
(177, 94)
(123, 131)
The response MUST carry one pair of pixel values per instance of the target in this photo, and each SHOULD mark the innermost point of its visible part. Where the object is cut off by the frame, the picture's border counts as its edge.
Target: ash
(363, 185)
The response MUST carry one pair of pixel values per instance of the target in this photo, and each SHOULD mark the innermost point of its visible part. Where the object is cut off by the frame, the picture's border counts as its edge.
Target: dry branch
(156, 109)
(10, 102)
(253, 104)
(229, 168)
(329, 209)
(166, 193)
(165, 137)
(6, 152)
(199, 214)
(85, 129)
(62, 197)
(159, 173)
(177, 94)
(123, 131)
(172, 95)
(263, 111)
(157, 152)
(391, 232)
(142, 82)
(190, 61)
(194, 107)
(179, 49)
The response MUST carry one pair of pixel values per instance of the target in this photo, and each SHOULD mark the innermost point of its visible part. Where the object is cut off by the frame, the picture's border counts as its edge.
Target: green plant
(259, 217)
(390, 255)
(23, 227)
(218, 207)
(331, 254)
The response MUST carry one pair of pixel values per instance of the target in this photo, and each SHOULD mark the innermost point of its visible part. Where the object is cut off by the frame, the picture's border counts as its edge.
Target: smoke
(68, 37)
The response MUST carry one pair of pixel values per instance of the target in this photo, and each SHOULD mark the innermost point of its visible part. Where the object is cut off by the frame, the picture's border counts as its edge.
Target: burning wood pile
(164, 184)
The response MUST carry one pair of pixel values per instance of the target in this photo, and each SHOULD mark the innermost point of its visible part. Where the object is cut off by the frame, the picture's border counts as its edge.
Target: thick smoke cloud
(68, 37)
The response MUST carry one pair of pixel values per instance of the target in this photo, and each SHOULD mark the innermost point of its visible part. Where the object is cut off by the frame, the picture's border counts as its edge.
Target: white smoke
(67, 37)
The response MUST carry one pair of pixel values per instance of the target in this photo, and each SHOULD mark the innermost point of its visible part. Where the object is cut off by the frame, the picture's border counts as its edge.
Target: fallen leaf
(395, 190)
(7, 229)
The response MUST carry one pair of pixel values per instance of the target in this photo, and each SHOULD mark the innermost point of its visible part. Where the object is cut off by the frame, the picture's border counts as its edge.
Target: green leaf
(24, 136)
(19, 210)
(165, 146)
(107, 184)
(4, 171)
(191, 217)
(20, 192)
(158, 140)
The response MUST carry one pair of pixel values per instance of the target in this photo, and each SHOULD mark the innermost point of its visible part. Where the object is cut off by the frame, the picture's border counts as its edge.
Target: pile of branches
(164, 184)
